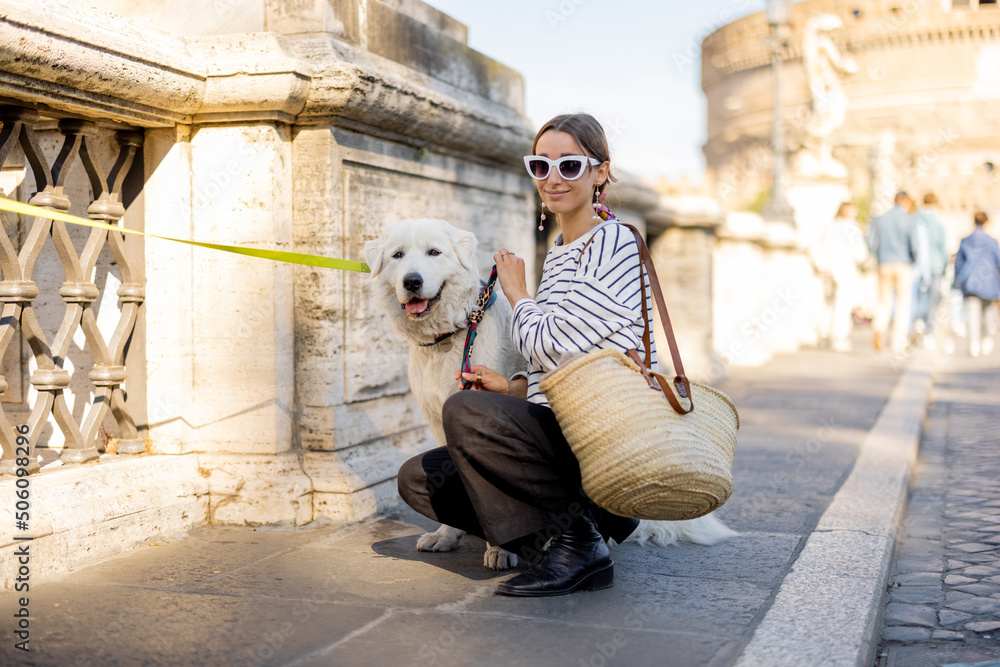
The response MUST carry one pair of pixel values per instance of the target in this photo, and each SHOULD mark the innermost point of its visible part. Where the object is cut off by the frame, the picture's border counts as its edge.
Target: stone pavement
(361, 594)
(944, 595)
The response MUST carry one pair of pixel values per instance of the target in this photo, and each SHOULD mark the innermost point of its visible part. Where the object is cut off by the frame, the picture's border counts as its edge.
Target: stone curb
(826, 611)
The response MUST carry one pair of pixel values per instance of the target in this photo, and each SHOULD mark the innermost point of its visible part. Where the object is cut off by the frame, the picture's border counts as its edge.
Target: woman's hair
(980, 218)
(587, 132)
(930, 199)
(844, 209)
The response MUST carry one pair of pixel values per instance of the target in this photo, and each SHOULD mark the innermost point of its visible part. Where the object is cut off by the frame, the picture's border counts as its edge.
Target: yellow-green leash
(273, 255)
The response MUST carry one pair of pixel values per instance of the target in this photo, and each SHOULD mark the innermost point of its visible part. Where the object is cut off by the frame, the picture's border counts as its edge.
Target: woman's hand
(510, 272)
(485, 379)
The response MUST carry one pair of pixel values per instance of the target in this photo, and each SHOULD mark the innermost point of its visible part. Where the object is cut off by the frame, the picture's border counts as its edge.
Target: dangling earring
(541, 223)
(597, 205)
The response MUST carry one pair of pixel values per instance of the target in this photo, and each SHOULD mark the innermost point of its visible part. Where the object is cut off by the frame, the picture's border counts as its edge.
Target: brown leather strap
(681, 384)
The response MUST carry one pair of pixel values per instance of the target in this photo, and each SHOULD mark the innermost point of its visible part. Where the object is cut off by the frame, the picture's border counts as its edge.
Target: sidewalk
(944, 596)
(362, 595)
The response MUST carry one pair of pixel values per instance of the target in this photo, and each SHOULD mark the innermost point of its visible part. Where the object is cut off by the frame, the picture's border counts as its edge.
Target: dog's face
(422, 265)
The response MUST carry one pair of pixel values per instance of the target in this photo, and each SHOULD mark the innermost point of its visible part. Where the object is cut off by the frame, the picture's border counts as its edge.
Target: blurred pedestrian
(931, 264)
(891, 240)
(839, 254)
(977, 274)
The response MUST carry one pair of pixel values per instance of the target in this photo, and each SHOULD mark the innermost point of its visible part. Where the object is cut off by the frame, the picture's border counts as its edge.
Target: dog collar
(438, 339)
(486, 298)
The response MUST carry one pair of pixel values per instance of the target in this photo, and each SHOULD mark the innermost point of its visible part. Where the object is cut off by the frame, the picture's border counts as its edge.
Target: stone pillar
(785, 300)
(228, 333)
(763, 294)
(738, 265)
(220, 336)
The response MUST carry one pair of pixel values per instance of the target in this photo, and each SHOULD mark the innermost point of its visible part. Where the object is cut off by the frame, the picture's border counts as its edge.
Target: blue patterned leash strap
(486, 298)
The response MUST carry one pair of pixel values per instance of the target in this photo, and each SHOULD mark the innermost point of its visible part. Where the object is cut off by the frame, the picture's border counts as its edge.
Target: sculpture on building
(825, 67)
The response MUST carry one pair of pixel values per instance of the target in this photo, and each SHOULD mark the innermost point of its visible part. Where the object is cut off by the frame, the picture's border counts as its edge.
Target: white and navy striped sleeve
(585, 301)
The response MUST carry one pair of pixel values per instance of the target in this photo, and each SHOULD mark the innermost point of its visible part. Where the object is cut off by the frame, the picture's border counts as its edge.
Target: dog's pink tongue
(417, 306)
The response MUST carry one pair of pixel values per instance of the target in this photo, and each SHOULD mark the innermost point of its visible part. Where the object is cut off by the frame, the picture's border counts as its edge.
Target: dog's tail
(706, 530)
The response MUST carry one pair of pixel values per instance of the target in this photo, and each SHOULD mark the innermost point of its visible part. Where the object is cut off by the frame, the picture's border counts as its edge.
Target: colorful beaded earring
(602, 208)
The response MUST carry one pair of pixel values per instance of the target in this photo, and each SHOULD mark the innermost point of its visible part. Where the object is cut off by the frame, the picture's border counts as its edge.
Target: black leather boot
(577, 558)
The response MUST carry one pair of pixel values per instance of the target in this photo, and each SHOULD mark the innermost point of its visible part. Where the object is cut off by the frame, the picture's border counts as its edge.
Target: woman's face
(559, 195)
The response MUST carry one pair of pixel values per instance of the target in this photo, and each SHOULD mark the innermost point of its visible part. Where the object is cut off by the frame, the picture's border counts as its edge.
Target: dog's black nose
(412, 282)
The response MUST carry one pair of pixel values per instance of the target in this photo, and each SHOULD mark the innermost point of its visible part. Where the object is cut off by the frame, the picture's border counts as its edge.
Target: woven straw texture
(638, 457)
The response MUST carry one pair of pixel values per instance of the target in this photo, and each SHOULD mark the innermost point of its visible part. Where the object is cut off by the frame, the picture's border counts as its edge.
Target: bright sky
(634, 64)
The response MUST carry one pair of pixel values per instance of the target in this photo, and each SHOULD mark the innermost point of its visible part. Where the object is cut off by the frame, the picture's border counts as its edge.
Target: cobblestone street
(943, 605)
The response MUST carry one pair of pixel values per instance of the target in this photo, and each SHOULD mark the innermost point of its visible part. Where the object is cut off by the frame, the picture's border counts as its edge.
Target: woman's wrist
(517, 296)
(518, 387)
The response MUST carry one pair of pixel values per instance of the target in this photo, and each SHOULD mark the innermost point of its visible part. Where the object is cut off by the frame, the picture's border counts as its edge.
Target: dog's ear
(374, 256)
(465, 247)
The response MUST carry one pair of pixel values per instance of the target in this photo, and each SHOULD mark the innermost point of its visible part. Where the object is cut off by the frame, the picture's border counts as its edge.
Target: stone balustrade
(102, 364)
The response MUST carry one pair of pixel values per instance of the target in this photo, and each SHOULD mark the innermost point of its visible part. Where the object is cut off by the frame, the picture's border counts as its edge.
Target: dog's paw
(444, 538)
(496, 558)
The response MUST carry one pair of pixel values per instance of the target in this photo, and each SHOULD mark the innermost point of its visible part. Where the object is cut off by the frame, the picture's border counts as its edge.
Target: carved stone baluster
(77, 291)
(109, 370)
(131, 294)
(11, 298)
(18, 293)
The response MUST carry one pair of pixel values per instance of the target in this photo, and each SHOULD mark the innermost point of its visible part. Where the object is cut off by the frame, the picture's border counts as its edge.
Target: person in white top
(507, 473)
(839, 253)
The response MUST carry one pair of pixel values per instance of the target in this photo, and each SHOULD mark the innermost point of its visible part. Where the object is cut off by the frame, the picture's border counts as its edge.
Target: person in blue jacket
(892, 240)
(977, 275)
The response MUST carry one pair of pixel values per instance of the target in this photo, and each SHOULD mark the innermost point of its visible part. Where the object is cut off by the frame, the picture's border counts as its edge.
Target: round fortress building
(877, 95)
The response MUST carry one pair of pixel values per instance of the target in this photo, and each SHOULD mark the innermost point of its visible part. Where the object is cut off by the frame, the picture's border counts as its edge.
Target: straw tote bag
(644, 452)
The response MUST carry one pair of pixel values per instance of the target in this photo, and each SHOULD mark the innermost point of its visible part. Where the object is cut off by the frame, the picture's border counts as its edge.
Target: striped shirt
(586, 301)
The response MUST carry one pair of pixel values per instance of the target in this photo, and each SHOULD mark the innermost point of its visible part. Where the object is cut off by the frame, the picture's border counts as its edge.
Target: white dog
(428, 282)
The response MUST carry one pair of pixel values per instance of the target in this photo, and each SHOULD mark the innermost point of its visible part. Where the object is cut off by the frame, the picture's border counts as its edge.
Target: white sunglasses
(570, 167)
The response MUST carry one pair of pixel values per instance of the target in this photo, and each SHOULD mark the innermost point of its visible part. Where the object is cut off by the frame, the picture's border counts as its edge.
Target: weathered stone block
(88, 512)
(356, 468)
(253, 490)
(358, 505)
(910, 614)
(950, 617)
